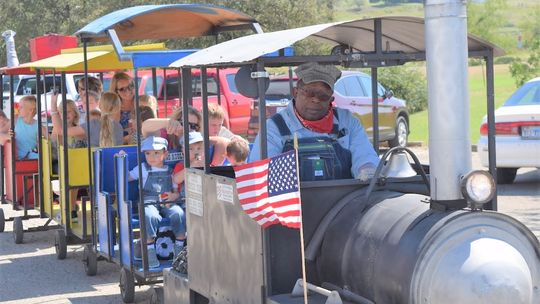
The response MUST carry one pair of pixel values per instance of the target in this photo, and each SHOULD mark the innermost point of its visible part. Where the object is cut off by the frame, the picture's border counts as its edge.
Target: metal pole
(262, 111)
(446, 56)
(186, 99)
(374, 98)
(90, 171)
(142, 212)
(155, 89)
(67, 202)
(204, 93)
(491, 125)
(165, 92)
(40, 149)
(13, 142)
(2, 181)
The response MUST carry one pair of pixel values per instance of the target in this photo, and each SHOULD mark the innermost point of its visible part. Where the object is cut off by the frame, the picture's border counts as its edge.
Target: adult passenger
(332, 142)
(122, 84)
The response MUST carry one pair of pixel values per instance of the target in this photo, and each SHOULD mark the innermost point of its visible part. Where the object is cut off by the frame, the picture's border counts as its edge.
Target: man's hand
(366, 172)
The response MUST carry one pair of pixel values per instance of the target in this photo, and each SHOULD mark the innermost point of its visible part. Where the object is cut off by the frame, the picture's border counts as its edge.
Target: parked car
(26, 85)
(353, 92)
(517, 133)
(236, 106)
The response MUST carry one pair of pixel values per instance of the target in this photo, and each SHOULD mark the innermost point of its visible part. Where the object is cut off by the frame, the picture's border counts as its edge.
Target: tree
(484, 19)
(524, 70)
(32, 18)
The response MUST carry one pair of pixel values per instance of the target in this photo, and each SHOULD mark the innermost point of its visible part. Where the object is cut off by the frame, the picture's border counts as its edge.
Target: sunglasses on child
(125, 89)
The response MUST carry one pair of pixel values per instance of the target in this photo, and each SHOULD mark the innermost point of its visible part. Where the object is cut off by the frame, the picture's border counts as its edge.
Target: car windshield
(528, 94)
(279, 89)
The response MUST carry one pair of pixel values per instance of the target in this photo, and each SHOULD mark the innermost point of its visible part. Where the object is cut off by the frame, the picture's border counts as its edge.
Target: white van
(27, 86)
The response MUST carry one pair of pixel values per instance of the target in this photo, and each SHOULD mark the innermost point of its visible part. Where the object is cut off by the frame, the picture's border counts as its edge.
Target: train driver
(332, 142)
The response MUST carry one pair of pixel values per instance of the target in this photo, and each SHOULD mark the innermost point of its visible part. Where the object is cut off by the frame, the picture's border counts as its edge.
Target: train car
(399, 238)
(70, 175)
(177, 21)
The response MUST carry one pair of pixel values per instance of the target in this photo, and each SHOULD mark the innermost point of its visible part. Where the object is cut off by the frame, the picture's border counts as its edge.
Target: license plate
(530, 132)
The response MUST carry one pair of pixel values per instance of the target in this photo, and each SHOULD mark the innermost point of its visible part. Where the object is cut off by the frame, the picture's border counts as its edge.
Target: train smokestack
(446, 56)
(9, 38)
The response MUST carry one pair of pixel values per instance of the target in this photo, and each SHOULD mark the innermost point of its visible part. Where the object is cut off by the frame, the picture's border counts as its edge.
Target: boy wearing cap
(332, 142)
(196, 159)
(159, 188)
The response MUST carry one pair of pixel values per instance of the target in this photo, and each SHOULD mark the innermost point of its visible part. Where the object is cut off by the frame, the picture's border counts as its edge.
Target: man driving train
(332, 142)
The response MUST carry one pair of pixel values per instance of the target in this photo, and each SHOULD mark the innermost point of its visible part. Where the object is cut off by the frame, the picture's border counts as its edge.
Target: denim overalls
(156, 183)
(321, 157)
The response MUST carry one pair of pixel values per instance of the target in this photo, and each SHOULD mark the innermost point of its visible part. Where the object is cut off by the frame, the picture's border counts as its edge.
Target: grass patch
(504, 87)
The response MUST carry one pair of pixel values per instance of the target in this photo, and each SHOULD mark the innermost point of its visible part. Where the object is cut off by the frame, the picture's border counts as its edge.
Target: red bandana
(323, 125)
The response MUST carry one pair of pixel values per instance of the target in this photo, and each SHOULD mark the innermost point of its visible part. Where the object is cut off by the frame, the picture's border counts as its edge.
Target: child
(110, 133)
(106, 131)
(5, 134)
(196, 159)
(237, 151)
(158, 187)
(26, 129)
(76, 135)
(148, 101)
(146, 113)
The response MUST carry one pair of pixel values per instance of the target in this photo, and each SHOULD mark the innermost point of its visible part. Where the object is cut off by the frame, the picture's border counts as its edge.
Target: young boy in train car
(26, 129)
(237, 151)
(160, 196)
(196, 159)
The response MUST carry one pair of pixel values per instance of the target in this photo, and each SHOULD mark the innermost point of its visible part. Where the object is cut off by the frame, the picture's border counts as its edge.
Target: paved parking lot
(30, 272)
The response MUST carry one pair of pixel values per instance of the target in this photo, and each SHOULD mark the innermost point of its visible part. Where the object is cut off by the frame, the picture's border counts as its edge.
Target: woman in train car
(173, 130)
(123, 85)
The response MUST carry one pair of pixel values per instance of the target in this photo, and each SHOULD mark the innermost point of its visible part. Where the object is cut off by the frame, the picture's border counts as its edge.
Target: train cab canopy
(400, 39)
(162, 22)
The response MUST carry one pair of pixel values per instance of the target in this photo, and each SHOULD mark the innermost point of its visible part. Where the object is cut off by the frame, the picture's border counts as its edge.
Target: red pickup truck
(236, 106)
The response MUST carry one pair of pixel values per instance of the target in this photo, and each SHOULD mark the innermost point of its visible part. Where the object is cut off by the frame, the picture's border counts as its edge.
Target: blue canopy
(166, 22)
(158, 59)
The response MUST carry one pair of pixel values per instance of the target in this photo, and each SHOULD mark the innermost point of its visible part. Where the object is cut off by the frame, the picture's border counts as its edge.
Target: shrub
(406, 83)
(504, 60)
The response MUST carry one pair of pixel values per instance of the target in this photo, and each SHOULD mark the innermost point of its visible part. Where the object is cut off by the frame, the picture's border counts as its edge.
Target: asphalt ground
(31, 273)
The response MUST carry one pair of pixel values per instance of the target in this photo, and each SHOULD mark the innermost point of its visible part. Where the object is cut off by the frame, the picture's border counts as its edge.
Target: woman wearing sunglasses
(173, 129)
(122, 84)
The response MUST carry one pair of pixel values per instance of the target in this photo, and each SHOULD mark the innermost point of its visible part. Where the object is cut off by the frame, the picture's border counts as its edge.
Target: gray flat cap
(311, 72)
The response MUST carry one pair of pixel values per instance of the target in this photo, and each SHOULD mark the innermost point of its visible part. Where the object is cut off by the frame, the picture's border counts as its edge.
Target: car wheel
(506, 175)
(402, 133)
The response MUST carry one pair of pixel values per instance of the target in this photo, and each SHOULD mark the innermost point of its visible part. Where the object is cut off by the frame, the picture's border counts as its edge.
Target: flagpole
(304, 279)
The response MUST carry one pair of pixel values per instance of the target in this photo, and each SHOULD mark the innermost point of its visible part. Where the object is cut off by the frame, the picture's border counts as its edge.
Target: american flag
(268, 190)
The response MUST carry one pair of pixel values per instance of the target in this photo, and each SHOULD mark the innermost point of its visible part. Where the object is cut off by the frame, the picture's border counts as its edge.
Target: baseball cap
(154, 143)
(312, 72)
(195, 137)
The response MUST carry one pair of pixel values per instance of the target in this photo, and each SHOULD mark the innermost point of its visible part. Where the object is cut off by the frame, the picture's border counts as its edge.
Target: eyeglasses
(125, 89)
(192, 126)
(320, 95)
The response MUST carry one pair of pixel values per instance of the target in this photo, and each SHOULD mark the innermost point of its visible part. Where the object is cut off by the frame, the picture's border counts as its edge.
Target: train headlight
(478, 187)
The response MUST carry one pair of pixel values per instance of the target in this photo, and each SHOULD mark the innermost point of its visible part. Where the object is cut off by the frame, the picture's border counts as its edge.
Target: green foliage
(523, 70)
(406, 83)
(32, 18)
(484, 19)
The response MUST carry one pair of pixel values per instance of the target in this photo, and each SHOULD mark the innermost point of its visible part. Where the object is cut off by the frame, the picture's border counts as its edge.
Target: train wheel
(18, 230)
(89, 260)
(2, 220)
(60, 244)
(157, 296)
(127, 285)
